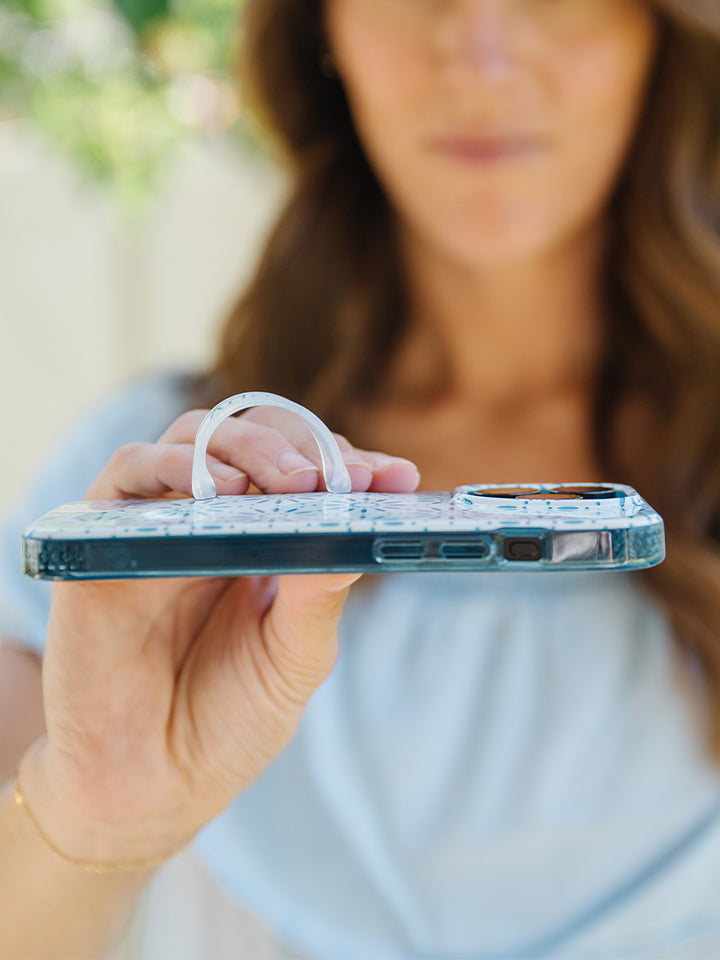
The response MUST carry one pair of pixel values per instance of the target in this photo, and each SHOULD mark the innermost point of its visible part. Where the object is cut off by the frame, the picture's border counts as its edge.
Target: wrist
(93, 845)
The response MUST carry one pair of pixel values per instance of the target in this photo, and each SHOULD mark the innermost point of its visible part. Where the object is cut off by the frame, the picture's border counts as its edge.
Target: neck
(501, 333)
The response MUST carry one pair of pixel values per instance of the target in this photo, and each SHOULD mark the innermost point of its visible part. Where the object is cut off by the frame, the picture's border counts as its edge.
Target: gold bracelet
(118, 866)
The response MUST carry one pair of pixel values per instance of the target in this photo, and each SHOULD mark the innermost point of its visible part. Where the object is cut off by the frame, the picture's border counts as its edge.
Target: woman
(499, 262)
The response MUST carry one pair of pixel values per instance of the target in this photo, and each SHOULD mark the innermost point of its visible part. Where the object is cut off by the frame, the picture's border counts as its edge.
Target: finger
(272, 462)
(253, 441)
(184, 427)
(301, 630)
(152, 470)
(388, 474)
(393, 474)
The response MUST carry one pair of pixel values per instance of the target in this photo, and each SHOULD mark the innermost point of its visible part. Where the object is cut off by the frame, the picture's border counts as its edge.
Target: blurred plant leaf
(141, 13)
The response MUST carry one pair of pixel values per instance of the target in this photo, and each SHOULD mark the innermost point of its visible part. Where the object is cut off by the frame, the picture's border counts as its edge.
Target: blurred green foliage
(140, 13)
(121, 85)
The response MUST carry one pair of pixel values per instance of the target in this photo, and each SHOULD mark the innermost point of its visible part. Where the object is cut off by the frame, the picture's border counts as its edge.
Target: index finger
(140, 470)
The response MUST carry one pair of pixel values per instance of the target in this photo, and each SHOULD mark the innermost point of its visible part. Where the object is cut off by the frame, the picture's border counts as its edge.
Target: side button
(387, 548)
(523, 548)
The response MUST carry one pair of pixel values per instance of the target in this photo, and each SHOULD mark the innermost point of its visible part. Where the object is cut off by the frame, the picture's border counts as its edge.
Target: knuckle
(166, 456)
(128, 452)
(190, 420)
(296, 673)
(271, 436)
(261, 415)
(264, 440)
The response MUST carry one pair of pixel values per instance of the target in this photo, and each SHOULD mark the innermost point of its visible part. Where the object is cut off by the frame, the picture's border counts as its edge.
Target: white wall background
(86, 302)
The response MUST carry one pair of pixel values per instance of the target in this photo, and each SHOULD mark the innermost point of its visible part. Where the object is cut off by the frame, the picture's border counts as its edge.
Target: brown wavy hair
(327, 306)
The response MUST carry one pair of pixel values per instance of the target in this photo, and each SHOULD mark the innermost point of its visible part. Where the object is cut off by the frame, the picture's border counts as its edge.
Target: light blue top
(500, 766)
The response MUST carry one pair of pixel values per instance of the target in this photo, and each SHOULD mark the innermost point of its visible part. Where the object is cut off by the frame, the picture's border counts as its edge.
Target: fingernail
(358, 465)
(226, 472)
(383, 460)
(291, 462)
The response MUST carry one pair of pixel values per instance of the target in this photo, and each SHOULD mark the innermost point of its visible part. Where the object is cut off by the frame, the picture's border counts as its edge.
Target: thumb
(301, 629)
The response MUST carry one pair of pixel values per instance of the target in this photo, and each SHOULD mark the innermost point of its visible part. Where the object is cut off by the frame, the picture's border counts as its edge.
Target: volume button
(389, 548)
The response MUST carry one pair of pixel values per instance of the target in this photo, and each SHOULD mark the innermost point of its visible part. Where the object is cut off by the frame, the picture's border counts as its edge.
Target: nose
(482, 36)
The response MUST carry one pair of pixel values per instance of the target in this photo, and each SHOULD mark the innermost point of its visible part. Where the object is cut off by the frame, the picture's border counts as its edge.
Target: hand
(165, 698)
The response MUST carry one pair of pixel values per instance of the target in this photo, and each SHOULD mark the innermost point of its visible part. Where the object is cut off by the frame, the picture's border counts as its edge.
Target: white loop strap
(337, 478)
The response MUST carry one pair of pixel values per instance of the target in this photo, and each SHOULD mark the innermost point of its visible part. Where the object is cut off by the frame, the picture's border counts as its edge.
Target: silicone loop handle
(337, 478)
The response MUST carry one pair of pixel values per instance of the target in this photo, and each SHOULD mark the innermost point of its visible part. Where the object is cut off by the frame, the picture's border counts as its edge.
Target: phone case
(486, 527)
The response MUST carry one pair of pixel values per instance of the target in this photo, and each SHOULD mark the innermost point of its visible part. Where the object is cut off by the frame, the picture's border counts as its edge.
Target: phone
(528, 527)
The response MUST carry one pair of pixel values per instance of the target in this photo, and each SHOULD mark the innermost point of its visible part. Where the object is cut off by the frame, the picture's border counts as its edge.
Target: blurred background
(134, 195)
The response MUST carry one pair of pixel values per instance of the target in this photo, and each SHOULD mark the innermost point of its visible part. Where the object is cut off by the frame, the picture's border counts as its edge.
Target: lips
(486, 148)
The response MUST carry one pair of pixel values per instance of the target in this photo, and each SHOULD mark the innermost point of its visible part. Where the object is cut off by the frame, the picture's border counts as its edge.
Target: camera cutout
(551, 495)
(591, 492)
(507, 493)
(578, 492)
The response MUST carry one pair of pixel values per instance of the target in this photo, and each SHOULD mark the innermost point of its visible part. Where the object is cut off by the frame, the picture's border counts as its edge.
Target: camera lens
(507, 492)
(590, 492)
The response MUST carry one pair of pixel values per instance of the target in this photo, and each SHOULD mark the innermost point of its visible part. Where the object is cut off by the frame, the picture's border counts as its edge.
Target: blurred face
(497, 127)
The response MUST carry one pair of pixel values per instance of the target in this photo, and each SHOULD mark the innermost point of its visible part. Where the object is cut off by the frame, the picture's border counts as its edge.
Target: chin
(495, 246)
(492, 229)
